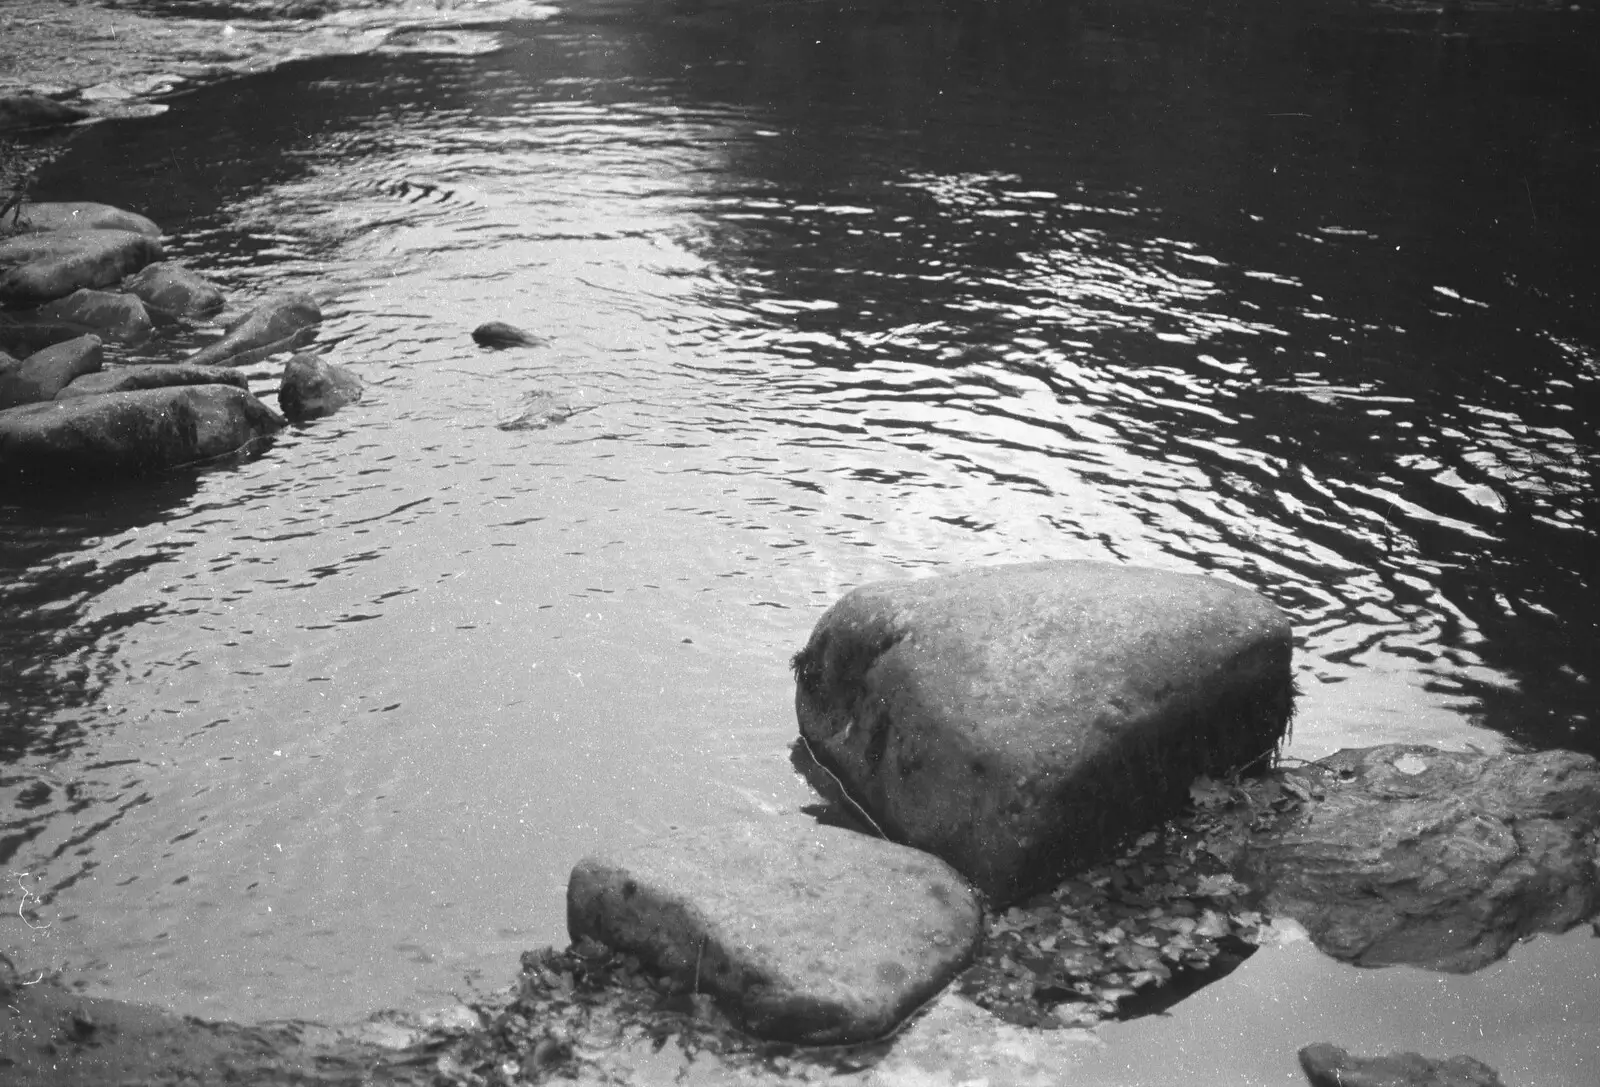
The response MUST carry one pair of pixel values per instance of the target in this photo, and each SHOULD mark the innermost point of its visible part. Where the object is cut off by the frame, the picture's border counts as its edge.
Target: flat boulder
(118, 317)
(803, 933)
(313, 387)
(39, 267)
(171, 289)
(43, 374)
(101, 437)
(1023, 721)
(122, 379)
(283, 323)
(1441, 859)
(82, 215)
(1329, 1066)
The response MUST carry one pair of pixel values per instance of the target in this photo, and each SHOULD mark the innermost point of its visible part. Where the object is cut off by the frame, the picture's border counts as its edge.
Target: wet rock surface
(1442, 859)
(115, 316)
(284, 323)
(1021, 721)
(36, 268)
(121, 379)
(45, 373)
(103, 437)
(173, 290)
(81, 215)
(803, 933)
(498, 335)
(313, 387)
(1329, 1066)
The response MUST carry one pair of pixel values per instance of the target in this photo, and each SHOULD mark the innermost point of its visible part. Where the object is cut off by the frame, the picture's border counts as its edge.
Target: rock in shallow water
(1329, 1066)
(1443, 859)
(43, 374)
(1022, 720)
(804, 933)
(172, 289)
(99, 437)
(83, 215)
(36, 268)
(498, 334)
(284, 323)
(122, 379)
(313, 387)
(118, 317)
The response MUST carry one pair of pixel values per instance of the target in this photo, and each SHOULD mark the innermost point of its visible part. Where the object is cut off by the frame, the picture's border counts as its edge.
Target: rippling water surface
(1302, 301)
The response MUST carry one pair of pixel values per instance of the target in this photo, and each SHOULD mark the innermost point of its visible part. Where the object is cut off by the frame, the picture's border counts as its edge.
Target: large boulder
(43, 374)
(803, 933)
(1329, 1066)
(171, 289)
(97, 437)
(1442, 859)
(36, 268)
(122, 379)
(1020, 721)
(118, 317)
(313, 387)
(284, 323)
(83, 215)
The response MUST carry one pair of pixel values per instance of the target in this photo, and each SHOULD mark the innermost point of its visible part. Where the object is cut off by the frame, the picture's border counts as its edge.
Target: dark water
(1299, 298)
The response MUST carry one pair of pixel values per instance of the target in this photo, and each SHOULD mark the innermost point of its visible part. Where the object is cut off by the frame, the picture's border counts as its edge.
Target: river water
(1304, 299)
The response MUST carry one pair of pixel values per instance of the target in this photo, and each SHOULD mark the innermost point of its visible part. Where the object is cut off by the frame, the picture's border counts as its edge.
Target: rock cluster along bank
(76, 277)
(1024, 723)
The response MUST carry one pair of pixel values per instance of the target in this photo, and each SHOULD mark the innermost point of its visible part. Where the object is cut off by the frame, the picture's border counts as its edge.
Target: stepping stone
(1023, 721)
(803, 933)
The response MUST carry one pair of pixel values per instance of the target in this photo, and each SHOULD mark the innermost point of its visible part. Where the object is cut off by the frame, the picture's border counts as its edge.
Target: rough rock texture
(1407, 854)
(95, 437)
(36, 268)
(83, 215)
(498, 334)
(34, 110)
(284, 323)
(172, 289)
(122, 379)
(43, 374)
(1019, 721)
(118, 317)
(313, 387)
(1329, 1066)
(802, 932)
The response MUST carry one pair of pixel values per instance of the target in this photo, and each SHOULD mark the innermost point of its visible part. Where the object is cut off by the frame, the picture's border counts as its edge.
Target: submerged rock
(43, 374)
(98, 437)
(37, 268)
(171, 289)
(1019, 721)
(498, 334)
(83, 215)
(119, 317)
(27, 336)
(540, 410)
(122, 379)
(313, 387)
(803, 933)
(1329, 1066)
(285, 323)
(1443, 859)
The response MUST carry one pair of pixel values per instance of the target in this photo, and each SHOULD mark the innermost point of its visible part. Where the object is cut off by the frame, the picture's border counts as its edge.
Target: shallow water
(1300, 300)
